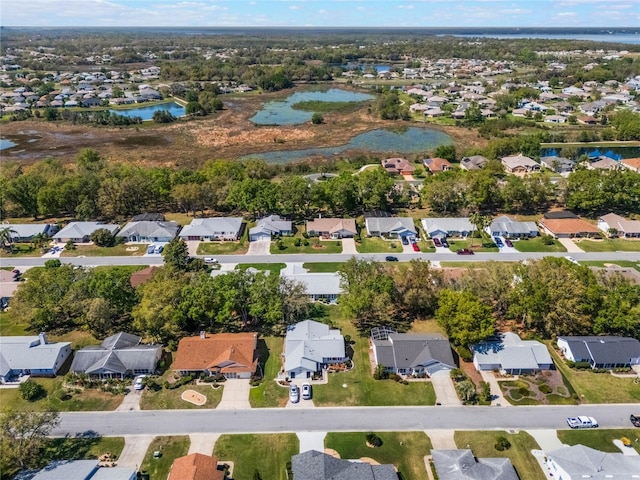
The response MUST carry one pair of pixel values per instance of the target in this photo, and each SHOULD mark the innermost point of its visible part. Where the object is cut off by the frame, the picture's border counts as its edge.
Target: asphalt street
(184, 422)
(324, 258)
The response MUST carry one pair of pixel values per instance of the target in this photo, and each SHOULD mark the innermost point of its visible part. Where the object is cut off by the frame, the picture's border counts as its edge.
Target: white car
(210, 260)
(138, 384)
(572, 260)
(294, 393)
(306, 391)
(582, 422)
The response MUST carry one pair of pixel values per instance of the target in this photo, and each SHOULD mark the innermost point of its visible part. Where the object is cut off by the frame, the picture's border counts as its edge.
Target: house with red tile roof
(400, 166)
(436, 164)
(632, 164)
(195, 467)
(568, 227)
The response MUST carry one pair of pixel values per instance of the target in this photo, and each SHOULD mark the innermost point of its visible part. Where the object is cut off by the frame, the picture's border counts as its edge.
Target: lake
(616, 153)
(409, 140)
(617, 37)
(4, 144)
(146, 113)
(281, 113)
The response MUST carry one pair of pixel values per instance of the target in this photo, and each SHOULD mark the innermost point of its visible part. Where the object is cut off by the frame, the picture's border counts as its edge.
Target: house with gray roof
(508, 227)
(623, 228)
(447, 227)
(314, 465)
(212, 229)
(310, 346)
(558, 164)
(509, 354)
(412, 354)
(80, 232)
(31, 355)
(519, 164)
(601, 351)
(24, 232)
(324, 287)
(269, 227)
(473, 162)
(390, 227)
(579, 462)
(463, 465)
(117, 356)
(149, 231)
(80, 470)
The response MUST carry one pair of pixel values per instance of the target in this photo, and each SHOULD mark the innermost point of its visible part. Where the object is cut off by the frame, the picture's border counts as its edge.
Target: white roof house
(31, 355)
(207, 229)
(26, 231)
(463, 465)
(80, 232)
(83, 470)
(149, 231)
(625, 228)
(579, 462)
(270, 226)
(447, 227)
(319, 286)
(509, 227)
(309, 346)
(512, 355)
(520, 164)
(393, 227)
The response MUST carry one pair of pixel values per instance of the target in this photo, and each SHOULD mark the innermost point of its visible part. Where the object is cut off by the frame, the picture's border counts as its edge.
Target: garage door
(260, 236)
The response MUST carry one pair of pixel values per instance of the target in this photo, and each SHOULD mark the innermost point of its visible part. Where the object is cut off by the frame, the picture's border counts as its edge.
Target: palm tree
(6, 237)
(40, 241)
(480, 222)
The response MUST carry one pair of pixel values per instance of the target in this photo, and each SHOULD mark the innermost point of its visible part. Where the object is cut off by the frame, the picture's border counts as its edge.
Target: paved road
(184, 422)
(301, 258)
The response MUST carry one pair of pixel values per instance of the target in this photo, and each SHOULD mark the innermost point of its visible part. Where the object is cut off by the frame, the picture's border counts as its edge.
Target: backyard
(267, 454)
(269, 393)
(483, 446)
(405, 450)
(537, 245)
(609, 245)
(170, 448)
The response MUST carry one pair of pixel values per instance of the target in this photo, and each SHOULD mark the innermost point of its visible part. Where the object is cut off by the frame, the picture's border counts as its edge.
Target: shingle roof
(462, 465)
(621, 224)
(195, 467)
(568, 226)
(447, 224)
(510, 352)
(83, 229)
(273, 224)
(208, 227)
(318, 283)
(30, 353)
(604, 349)
(308, 342)
(579, 461)
(512, 226)
(390, 224)
(197, 353)
(405, 350)
(332, 225)
(313, 465)
(26, 230)
(142, 276)
(150, 229)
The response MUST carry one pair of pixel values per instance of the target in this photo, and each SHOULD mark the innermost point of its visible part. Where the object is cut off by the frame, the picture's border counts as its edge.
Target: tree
(22, 435)
(163, 116)
(464, 317)
(102, 237)
(480, 222)
(467, 392)
(448, 152)
(418, 288)
(31, 391)
(176, 255)
(620, 310)
(6, 237)
(317, 118)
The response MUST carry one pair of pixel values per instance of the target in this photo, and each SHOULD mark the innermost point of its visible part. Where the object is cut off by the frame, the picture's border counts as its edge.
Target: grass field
(165, 399)
(21, 250)
(223, 248)
(621, 263)
(319, 267)
(274, 268)
(171, 448)
(180, 218)
(268, 454)
(482, 444)
(70, 448)
(405, 450)
(9, 326)
(95, 251)
(378, 245)
(475, 244)
(269, 393)
(315, 246)
(600, 439)
(319, 106)
(609, 245)
(536, 245)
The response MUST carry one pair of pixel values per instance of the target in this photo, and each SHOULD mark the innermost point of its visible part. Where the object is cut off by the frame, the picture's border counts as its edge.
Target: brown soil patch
(332, 452)
(194, 397)
(369, 460)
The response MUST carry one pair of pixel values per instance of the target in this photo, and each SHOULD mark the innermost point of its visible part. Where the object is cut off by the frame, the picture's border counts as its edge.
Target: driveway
(547, 439)
(408, 248)
(349, 246)
(192, 246)
(235, 395)
(260, 247)
(570, 245)
(202, 443)
(135, 448)
(445, 391)
(497, 399)
(131, 400)
(441, 439)
(311, 441)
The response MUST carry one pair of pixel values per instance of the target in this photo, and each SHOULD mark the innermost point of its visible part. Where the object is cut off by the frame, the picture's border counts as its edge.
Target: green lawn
(405, 450)
(319, 106)
(70, 448)
(223, 248)
(274, 268)
(165, 399)
(171, 448)
(95, 251)
(536, 245)
(597, 387)
(21, 250)
(621, 263)
(378, 245)
(475, 244)
(482, 444)
(268, 454)
(599, 439)
(319, 267)
(269, 393)
(315, 246)
(358, 387)
(9, 326)
(426, 246)
(180, 218)
(609, 245)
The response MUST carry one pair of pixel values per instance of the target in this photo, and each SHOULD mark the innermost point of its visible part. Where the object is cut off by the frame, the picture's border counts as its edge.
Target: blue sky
(329, 13)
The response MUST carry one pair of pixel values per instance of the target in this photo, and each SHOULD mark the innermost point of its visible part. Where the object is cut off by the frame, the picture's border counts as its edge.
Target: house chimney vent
(203, 334)
(43, 338)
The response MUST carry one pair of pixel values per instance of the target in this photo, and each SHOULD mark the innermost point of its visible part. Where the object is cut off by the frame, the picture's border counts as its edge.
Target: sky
(322, 13)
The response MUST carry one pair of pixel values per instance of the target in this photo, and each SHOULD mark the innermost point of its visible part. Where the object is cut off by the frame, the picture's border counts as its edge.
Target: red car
(465, 251)
(415, 246)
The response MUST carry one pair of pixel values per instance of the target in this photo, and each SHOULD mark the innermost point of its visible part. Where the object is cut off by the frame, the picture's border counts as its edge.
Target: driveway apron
(135, 448)
(235, 395)
(445, 391)
(349, 246)
(570, 245)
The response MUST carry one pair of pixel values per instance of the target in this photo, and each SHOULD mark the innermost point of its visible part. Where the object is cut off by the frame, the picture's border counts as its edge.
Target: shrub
(485, 391)
(305, 242)
(70, 245)
(31, 391)
(502, 444)
(380, 373)
(103, 238)
(395, 377)
(547, 239)
(546, 389)
(317, 119)
(464, 353)
(374, 440)
(297, 242)
(524, 391)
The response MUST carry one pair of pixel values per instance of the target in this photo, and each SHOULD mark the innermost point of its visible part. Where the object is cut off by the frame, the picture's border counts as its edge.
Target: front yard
(483, 446)
(274, 268)
(170, 449)
(313, 245)
(170, 399)
(405, 450)
(322, 267)
(267, 454)
(600, 439)
(21, 250)
(223, 248)
(269, 393)
(475, 244)
(378, 245)
(543, 389)
(609, 245)
(121, 250)
(537, 245)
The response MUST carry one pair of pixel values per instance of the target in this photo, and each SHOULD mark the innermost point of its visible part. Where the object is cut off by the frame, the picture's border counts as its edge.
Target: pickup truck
(582, 422)
(635, 419)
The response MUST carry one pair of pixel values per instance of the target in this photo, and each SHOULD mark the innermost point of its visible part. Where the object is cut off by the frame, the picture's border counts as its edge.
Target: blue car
(498, 242)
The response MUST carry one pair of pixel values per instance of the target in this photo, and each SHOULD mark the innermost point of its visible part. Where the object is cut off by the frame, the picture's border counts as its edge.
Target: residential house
(31, 355)
(390, 227)
(568, 227)
(400, 166)
(509, 354)
(623, 228)
(505, 226)
(195, 467)
(605, 163)
(320, 287)
(447, 227)
(314, 465)
(230, 354)
(24, 232)
(474, 162)
(463, 465)
(212, 229)
(310, 346)
(558, 164)
(269, 227)
(80, 232)
(411, 353)
(578, 462)
(555, 119)
(601, 351)
(519, 164)
(118, 356)
(82, 470)
(91, 102)
(632, 164)
(149, 231)
(148, 217)
(437, 164)
(332, 227)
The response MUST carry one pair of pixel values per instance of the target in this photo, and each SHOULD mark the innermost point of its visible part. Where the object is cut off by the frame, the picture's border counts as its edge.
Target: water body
(615, 153)
(146, 113)
(282, 113)
(628, 38)
(410, 140)
(4, 144)
(377, 67)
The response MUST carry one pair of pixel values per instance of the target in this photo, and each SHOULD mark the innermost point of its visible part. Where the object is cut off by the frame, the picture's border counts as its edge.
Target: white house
(80, 232)
(149, 231)
(601, 351)
(579, 462)
(390, 227)
(324, 287)
(505, 226)
(212, 229)
(24, 232)
(447, 227)
(509, 354)
(31, 355)
(270, 226)
(624, 228)
(310, 346)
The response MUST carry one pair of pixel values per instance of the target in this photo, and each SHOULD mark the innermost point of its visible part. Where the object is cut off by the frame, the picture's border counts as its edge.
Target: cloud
(566, 14)
(294, 7)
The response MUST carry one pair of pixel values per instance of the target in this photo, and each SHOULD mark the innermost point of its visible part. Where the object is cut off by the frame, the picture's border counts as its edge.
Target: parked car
(582, 422)
(415, 246)
(306, 391)
(151, 248)
(498, 242)
(294, 393)
(210, 260)
(390, 258)
(445, 244)
(437, 242)
(158, 249)
(508, 242)
(635, 419)
(465, 251)
(138, 384)
(572, 260)
(404, 240)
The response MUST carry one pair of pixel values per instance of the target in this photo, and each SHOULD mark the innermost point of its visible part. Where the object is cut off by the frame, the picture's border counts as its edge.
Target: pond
(4, 144)
(616, 153)
(408, 140)
(281, 113)
(146, 113)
